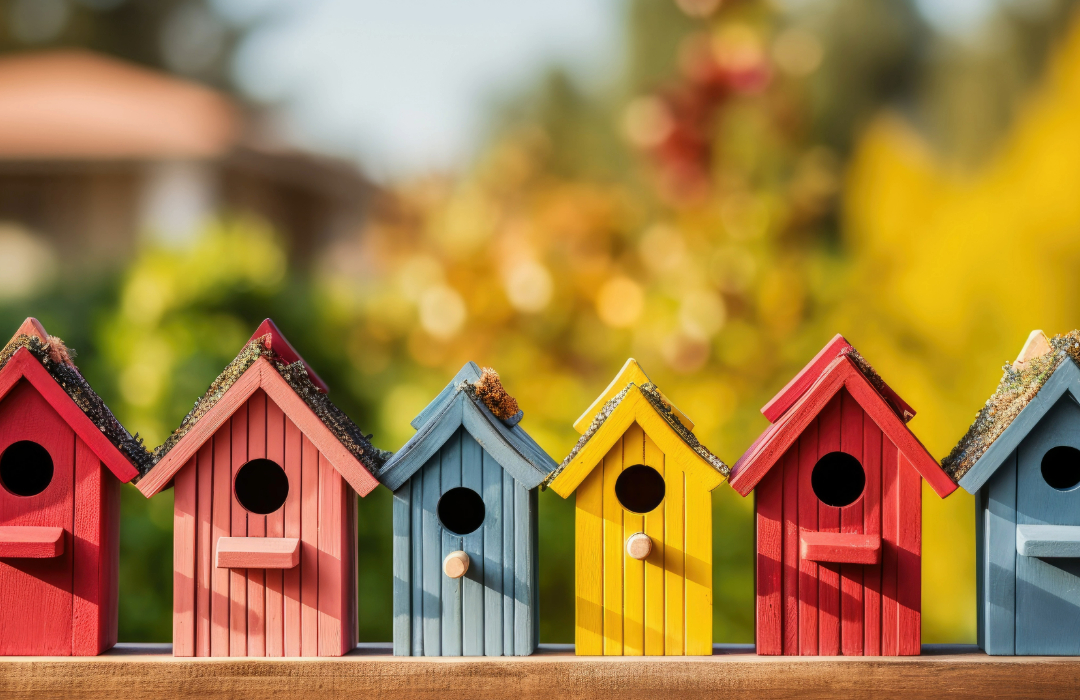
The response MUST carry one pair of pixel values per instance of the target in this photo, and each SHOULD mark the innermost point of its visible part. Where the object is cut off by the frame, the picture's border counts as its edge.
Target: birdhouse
(63, 457)
(1021, 460)
(465, 525)
(837, 480)
(643, 524)
(265, 473)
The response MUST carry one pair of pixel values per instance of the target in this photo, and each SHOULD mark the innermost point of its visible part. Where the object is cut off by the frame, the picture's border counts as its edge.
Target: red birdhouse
(266, 472)
(63, 457)
(838, 503)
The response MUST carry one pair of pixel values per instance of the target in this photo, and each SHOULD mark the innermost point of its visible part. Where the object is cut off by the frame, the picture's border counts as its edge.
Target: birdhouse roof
(268, 362)
(645, 405)
(840, 367)
(1043, 372)
(43, 360)
(476, 401)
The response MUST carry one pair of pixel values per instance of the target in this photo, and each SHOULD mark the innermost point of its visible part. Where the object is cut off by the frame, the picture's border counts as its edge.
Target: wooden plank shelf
(150, 671)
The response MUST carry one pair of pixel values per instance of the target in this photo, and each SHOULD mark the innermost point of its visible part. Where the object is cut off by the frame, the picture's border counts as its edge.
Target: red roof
(801, 382)
(284, 349)
(76, 105)
(840, 372)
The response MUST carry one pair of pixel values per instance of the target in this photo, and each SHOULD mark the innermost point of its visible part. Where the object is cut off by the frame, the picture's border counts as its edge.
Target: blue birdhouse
(1021, 460)
(465, 525)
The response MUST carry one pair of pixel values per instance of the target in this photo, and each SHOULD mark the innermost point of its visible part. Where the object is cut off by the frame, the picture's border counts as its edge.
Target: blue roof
(506, 441)
(1064, 380)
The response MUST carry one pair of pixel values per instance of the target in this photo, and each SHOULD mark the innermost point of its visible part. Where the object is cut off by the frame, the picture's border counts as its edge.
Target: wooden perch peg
(1036, 345)
(456, 564)
(638, 546)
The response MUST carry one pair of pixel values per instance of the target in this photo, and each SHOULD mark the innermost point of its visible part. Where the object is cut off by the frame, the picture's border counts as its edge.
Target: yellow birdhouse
(643, 524)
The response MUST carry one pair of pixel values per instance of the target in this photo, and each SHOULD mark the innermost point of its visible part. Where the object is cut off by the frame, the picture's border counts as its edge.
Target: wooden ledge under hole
(150, 671)
(258, 552)
(31, 542)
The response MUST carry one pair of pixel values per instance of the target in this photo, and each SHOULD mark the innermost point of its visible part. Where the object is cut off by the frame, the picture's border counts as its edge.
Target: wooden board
(733, 673)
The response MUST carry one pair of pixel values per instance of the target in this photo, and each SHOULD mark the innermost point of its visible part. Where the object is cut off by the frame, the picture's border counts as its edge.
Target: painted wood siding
(806, 608)
(309, 610)
(65, 605)
(662, 605)
(493, 609)
(1047, 589)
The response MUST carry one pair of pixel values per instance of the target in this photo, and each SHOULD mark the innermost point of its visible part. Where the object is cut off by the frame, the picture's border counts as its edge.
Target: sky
(404, 85)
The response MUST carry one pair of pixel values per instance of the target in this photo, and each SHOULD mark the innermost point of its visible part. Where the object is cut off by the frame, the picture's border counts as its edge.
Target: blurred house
(95, 153)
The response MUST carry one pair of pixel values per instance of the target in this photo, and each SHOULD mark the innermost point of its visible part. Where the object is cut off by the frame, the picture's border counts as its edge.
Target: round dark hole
(1061, 467)
(639, 488)
(25, 468)
(461, 510)
(261, 486)
(838, 479)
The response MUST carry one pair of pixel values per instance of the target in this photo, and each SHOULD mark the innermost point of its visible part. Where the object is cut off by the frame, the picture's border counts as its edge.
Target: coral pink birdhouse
(63, 457)
(266, 472)
(838, 503)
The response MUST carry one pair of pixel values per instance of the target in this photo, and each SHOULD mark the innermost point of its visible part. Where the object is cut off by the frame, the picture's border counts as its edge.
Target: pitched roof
(42, 360)
(458, 405)
(1029, 387)
(74, 104)
(645, 405)
(845, 370)
(631, 372)
(290, 386)
(802, 381)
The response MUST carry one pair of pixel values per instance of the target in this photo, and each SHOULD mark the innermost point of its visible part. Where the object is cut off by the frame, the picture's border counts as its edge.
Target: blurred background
(714, 187)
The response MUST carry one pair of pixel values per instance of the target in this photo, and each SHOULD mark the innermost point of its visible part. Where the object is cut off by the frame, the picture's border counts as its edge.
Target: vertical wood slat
(674, 560)
(292, 632)
(768, 506)
(654, 564)
(851, 521)
(275, 527)
(633, 569)
(36, 595)
(699, 612)
(92, 579)
(613, 554)
(432, 550)
(890, 502)
(588, 564)
(351, 581)
(509, 560)
(523, 571)
(909, 561)
(999, 613)
(402, 566)
(256, 527)
(185, 499)
(808, 522)
(416, 554)
(309, 548)
(238, 620)
(220, 603)
(872, 526)
(204, 543)
(493, 557)
(333, 561)
(450, 474)
(829, 422)
(790, 577)
(472, 583)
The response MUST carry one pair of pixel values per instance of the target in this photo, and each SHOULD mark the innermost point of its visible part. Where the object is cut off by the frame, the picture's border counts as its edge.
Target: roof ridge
(1015, 390)
(299, 380)
(68, 377)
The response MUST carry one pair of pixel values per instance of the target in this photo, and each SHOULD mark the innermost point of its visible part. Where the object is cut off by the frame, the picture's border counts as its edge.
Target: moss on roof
(1014, 392)
(56, 360)
(662, 407)
(296, 376)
